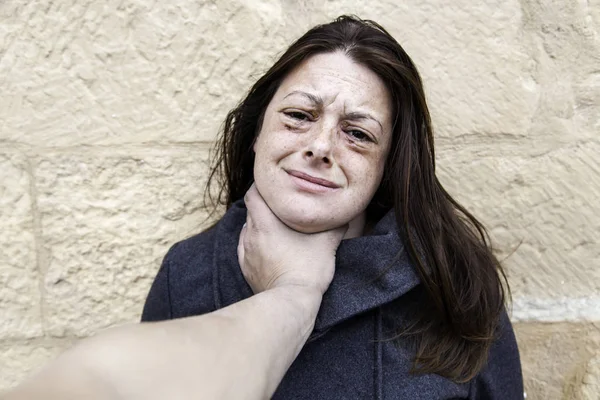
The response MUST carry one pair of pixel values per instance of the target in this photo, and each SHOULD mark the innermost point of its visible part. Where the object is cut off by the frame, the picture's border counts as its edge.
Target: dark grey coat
(345, 357)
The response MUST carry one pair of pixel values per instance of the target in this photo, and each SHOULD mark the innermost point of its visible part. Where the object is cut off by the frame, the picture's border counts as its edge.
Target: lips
(313, 179)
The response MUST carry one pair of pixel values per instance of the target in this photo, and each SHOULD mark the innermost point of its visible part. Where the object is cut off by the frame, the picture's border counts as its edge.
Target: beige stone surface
(19, 278)
(108, 109)
(590, 388)
(88, 72)
(108, 218)
(478, 70)
(560, 360)
(23, 358)
(542, 211)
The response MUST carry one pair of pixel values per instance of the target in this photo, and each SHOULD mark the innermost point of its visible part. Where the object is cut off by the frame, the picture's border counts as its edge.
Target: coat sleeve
(158, 303)
(501, 378)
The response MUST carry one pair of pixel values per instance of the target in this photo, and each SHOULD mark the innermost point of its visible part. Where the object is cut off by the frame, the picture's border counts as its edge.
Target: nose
(320, 146)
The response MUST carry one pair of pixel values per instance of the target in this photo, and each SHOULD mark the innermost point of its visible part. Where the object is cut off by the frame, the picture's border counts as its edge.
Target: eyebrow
(353, 116)
(318, 102)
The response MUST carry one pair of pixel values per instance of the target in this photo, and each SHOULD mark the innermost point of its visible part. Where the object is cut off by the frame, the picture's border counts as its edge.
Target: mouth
(312, 183)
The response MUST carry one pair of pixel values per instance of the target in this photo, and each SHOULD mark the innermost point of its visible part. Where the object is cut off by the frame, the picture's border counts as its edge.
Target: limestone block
(108, 218)
(478, 72)
(516, 68)
(590, 388)
(559, 360)
(542, 211)
(129, 71)
(20, 359)
(563, 39)
(19, 287)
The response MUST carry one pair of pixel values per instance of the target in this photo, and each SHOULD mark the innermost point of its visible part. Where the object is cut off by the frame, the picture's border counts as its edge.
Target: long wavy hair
(464, 285)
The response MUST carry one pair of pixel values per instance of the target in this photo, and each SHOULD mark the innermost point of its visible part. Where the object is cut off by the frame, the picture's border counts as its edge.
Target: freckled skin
(330, 118)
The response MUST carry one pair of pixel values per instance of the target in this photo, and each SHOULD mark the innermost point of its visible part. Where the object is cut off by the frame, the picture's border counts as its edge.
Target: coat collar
(370, 271)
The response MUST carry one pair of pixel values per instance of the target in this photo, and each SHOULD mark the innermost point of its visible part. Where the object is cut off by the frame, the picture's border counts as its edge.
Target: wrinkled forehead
(334, 78)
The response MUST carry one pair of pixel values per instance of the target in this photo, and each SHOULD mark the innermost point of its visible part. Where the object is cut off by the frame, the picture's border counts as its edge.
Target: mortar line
(40, 256)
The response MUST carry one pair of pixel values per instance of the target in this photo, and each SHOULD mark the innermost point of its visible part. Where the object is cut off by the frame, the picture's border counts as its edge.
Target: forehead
(336, 78)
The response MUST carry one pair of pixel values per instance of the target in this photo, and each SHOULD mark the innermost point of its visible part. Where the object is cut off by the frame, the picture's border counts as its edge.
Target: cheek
(259, 145)
(275, 145)
(367, 174)
(264, 144)
(262, 140)
(379, 171)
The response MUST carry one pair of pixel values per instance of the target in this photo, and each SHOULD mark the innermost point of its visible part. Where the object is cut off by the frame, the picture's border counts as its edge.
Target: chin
(305, 214)
(306, 223)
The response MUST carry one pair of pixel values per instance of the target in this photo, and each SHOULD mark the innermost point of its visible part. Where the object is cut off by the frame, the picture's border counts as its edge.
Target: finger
(240, 247)
(249, 224)
(250, 193)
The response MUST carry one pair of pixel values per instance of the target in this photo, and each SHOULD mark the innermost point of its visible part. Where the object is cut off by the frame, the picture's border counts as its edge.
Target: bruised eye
(359, 135)
(297, 115)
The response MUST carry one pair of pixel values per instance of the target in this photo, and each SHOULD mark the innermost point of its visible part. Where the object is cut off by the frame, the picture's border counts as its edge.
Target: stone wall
(108, 110)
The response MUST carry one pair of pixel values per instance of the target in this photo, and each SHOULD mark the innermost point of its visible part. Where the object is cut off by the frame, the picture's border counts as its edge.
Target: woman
(338, 133)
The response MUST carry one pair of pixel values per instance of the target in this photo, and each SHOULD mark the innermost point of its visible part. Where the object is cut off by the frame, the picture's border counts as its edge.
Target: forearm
(241, 351)
(270, 333)
(66, 378)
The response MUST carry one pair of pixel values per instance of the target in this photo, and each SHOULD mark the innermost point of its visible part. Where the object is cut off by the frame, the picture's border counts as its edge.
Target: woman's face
(324, 141)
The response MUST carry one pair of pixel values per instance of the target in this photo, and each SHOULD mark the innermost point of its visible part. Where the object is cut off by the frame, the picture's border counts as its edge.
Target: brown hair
(463, 282)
